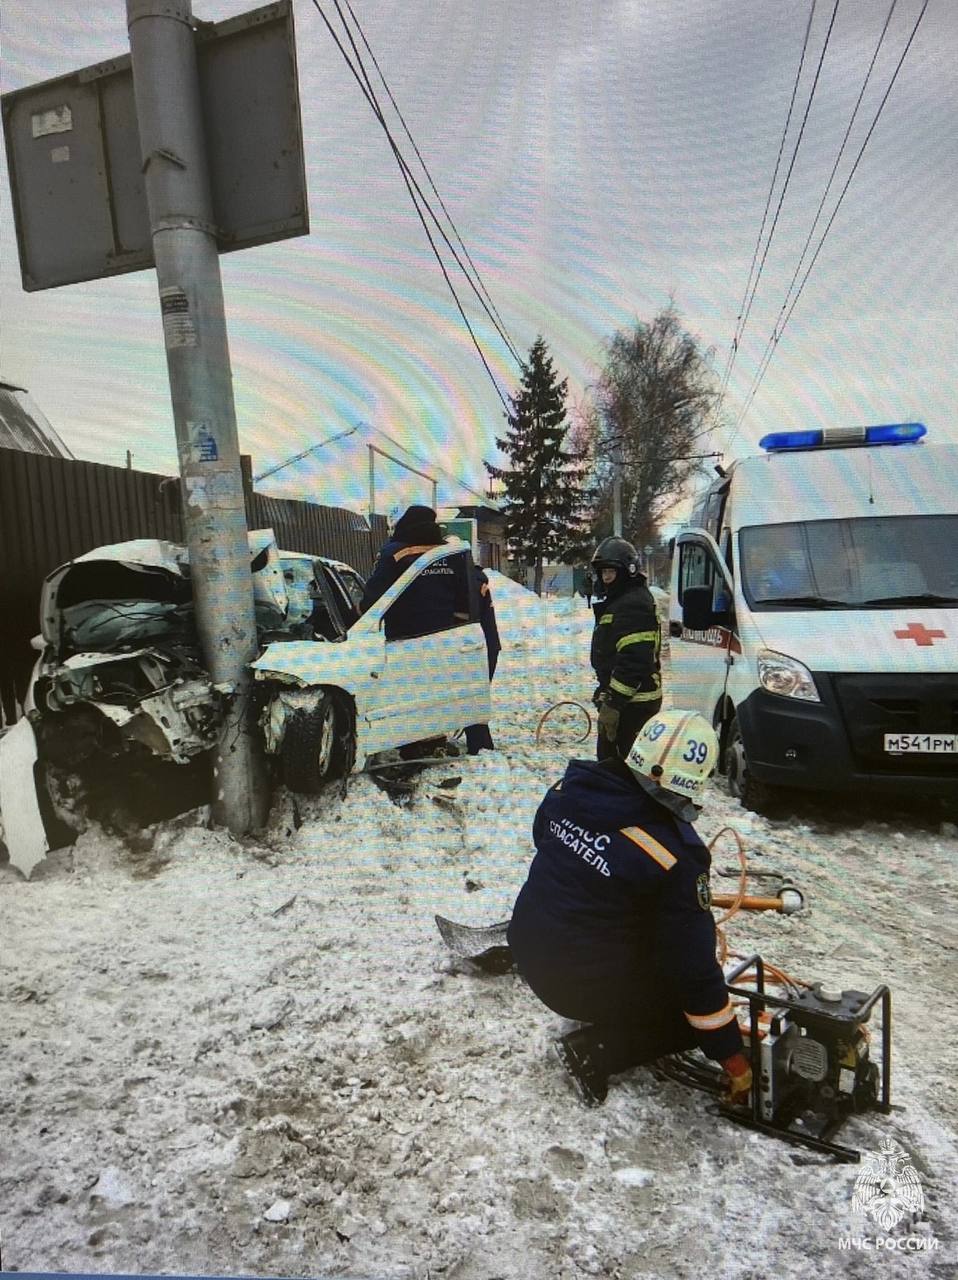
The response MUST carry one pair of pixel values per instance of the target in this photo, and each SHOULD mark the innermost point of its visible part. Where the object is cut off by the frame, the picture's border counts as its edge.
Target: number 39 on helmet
(672, 757)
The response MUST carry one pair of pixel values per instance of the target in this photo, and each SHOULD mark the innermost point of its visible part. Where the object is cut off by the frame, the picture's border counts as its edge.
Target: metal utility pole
(617, 505)
(648, 565)
(617, 491)
(172, 145)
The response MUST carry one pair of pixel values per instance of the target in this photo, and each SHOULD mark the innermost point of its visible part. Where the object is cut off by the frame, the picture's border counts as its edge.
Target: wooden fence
(52, 509)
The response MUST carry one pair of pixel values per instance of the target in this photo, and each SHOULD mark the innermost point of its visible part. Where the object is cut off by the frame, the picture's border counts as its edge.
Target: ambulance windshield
(881, 562)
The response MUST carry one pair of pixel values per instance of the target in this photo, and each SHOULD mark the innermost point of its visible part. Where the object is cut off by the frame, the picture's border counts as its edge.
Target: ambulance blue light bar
(837, 437)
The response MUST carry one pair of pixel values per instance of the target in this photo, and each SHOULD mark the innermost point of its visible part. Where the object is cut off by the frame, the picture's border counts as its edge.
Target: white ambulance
(814, 615)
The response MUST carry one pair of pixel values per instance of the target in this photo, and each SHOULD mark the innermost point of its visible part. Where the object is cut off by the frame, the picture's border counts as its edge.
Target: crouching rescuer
(625, 647)
(613, 927)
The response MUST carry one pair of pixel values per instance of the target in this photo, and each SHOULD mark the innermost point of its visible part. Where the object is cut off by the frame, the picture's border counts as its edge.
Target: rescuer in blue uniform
(613, 926)
(438, 598)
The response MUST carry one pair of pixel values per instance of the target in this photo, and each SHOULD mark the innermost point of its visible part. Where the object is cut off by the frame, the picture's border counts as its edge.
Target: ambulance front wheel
(760, 797)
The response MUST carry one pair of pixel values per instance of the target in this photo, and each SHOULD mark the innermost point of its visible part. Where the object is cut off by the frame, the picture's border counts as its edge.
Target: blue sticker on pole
(208, 449)
(202, 443)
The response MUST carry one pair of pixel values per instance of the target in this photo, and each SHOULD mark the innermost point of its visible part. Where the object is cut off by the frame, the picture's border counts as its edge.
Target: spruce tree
(543, 484)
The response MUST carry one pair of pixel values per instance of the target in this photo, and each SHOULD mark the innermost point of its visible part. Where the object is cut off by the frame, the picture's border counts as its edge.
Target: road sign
(76, 172)
(467, 530)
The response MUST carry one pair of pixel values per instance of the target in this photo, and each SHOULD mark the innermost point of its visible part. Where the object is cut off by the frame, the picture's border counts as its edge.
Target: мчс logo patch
(703, 891)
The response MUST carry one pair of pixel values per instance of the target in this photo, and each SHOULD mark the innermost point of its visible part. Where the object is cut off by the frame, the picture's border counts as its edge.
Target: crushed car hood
(137, 591)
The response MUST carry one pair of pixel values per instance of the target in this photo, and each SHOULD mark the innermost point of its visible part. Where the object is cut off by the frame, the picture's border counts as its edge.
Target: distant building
(23, 426)
(490, 534)
(557, 579)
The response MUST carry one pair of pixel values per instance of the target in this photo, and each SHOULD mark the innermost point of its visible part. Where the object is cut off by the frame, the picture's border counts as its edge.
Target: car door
(429, 684)
(700, 658)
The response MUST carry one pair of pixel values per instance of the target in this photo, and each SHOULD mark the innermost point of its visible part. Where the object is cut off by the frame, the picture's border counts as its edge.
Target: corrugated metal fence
(54, 508)
(326, 531)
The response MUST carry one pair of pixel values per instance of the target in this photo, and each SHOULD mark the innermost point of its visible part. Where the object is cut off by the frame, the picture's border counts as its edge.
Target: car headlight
(783, 675)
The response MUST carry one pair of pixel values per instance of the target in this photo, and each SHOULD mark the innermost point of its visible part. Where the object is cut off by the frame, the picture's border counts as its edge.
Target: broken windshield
(877, 562)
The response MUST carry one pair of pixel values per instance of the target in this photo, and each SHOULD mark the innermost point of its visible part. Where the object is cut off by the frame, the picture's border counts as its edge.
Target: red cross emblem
(918, 632)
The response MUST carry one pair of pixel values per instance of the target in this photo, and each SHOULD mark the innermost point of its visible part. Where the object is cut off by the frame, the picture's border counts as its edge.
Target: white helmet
(672, 758)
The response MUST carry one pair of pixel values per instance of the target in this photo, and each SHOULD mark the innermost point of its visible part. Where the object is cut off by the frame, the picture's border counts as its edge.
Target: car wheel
(313, 749)
(751, 794)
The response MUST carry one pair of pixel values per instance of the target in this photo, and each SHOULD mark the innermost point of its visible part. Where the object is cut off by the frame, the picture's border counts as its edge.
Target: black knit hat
(418, 524)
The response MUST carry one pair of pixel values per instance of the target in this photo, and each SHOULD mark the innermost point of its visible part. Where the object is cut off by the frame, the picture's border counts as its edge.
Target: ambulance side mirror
(697, 611)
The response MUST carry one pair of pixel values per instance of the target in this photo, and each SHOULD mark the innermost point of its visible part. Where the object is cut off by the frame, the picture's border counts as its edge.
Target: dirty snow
(256, 1058)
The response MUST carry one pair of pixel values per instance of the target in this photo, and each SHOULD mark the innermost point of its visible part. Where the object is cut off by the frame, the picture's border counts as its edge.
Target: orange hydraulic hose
(772, 971)
(738, 900)
(735, 905)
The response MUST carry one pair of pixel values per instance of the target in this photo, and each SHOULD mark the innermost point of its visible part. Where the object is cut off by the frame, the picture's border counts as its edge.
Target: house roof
(481, 513)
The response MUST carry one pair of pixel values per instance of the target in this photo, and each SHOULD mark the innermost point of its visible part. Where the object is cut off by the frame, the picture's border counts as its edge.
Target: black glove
(608, 720)
(598, 696)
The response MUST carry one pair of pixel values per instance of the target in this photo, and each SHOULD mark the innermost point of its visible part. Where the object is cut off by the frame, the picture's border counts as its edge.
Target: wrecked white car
(328, 708)
(121, 670)
(120, 701)
(120, 666)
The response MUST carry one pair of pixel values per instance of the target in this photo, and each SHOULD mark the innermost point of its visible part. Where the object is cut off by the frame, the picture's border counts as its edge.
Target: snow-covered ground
(256, 1058)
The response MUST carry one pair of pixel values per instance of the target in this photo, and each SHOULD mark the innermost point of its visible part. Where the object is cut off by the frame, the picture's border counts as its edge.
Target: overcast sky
(597, 158)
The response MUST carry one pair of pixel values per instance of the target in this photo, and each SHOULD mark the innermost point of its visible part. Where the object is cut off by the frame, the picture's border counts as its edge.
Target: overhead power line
(425, 169)
(418, 197)
(841, 152)
(791, 166)
(776, 328)
(776, 337)
(733, 350)
(478, 286)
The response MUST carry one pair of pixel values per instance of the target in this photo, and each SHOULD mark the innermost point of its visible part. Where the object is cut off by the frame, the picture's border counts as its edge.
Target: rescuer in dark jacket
(437, 599)
(613, 926)
(625, 648)
(478, 737)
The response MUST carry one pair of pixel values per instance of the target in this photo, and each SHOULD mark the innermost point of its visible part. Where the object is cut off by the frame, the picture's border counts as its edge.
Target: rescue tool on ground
(810, 1058)
(810, 1054)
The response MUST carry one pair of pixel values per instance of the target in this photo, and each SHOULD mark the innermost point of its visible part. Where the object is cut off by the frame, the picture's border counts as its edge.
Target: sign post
(166, 88)
(188, 147)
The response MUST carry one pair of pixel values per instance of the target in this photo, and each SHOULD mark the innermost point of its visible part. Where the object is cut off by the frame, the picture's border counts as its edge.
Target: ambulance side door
(702, 625)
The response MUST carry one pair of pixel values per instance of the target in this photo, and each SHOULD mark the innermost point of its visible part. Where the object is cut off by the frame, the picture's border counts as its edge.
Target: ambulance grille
(873, 705)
